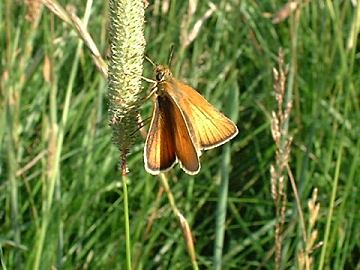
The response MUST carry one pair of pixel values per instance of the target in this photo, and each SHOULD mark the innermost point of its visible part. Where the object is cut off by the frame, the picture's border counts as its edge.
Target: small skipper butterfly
(183, 125)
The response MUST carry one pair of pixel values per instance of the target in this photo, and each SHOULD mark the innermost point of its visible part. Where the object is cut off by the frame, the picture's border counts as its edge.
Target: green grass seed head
(127, 45)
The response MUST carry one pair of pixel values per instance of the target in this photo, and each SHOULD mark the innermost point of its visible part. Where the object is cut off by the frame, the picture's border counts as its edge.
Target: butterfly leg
(152, 92)
(148, 80)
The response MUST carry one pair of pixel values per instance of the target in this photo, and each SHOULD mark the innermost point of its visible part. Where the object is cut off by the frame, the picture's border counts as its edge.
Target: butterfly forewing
(210, 126)
(159, 151)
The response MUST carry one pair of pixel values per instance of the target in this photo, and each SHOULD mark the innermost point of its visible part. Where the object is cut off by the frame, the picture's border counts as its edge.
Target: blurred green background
(61, 202)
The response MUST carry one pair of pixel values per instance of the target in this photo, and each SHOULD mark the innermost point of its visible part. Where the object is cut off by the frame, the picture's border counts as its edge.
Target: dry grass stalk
(33, 10)
(69, 17)
(182, 221)
(187, 36)
(187, 236)
(278, 171)
(285, 11)
(304, 257)
(292, 7)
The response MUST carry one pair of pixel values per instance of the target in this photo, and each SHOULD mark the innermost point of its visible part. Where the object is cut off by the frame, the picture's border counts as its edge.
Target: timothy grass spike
(127, 45)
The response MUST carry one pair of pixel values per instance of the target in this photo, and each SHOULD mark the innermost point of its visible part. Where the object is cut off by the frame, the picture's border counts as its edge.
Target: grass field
(61, 190)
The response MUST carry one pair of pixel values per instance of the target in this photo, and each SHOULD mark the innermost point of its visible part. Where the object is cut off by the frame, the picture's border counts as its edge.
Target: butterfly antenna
(150, 61)
(171, 54)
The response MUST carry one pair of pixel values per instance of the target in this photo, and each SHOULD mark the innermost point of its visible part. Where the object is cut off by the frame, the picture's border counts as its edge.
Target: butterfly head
(162, 73)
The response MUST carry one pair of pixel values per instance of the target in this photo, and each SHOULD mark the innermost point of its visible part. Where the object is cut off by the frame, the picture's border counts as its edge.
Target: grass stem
(125, 180)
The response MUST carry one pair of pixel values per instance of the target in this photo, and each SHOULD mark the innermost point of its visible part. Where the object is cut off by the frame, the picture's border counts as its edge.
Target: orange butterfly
(183, 124)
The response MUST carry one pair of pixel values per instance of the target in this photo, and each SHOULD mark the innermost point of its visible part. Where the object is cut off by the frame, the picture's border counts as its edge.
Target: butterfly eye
(159, 76)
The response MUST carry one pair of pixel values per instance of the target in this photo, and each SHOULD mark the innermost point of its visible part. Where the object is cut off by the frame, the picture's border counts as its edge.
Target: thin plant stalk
(233, 101)
(183, 222)
(330, 214)
(125, 180)
(221, 209)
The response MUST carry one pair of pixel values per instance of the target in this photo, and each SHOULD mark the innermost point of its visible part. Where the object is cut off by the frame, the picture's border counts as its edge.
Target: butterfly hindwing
(186, 152)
